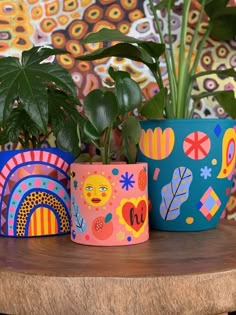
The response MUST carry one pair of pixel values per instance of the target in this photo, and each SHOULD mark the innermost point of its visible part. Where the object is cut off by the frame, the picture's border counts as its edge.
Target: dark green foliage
(36, 97)
(175, 102)
(104, 109)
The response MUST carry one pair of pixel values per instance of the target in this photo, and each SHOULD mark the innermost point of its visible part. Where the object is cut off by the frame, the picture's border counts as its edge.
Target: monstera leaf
(27, 80)
(101, 108)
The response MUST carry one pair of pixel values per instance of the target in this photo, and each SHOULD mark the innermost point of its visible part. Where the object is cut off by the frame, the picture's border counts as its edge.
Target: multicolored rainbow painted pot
(109, 204)
(190, 164)
(34, 192)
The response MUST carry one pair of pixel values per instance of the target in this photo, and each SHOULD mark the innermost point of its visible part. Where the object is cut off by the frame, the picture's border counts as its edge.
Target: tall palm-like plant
(174, 101)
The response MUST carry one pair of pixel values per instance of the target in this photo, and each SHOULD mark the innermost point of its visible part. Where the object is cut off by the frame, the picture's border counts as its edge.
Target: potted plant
(37, 98)
(109, 199)
(191, 161)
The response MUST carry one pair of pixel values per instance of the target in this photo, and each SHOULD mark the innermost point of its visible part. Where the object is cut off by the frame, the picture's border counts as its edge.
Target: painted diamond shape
(209, 203)
(217, 130)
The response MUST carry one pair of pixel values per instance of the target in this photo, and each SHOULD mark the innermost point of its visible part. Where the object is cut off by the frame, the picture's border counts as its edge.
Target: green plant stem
(195, 35)
(200, 48)
(204, 73)
(107, 146)
(170, 40)
(158, 77)
(182, 79)
(188, 98)
(172, 80)
(190, 54)
(194, 67)
(96, 145)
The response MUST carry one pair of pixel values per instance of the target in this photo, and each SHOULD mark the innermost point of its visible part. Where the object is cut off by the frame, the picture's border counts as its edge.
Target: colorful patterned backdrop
(63, 23)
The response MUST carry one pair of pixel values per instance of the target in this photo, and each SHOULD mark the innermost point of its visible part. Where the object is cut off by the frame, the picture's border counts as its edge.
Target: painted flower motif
(127, 181)
(197, 145)
(205, 172)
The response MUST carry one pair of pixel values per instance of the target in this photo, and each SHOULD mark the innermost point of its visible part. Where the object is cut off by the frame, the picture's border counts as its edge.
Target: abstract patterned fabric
(63, 23)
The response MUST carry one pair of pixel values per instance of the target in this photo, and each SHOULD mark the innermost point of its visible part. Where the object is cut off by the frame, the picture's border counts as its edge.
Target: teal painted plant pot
(190, 169)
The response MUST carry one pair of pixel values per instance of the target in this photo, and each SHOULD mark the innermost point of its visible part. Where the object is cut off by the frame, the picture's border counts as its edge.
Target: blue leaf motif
(80, 224)
(175, 193)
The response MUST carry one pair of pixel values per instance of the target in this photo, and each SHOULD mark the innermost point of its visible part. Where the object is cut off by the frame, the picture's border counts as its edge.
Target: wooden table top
(172, 273)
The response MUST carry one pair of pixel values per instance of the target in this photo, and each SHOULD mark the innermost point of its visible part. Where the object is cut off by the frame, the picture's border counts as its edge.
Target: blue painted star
(127, 181)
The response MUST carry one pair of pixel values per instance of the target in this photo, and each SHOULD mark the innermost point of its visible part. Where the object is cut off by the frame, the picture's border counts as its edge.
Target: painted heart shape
(135, 216)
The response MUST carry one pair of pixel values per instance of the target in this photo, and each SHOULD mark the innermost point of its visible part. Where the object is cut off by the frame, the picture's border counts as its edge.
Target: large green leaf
(227, 100)
(101, 108)
(154, 107)
(18, 122)
(123, 50)
(222, 19)
(131, 132)
(108, 35)
(224, 27)
(143, 52)
(152, 48)
(38, 54)
(90, 133)
(8, 94)
(28, 84)
(132, 129)
(212, 6)
(128, 93)
(67, 138)
(60, 108)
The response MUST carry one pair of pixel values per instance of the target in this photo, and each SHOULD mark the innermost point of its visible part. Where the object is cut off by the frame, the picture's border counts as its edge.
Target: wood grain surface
(172, 273)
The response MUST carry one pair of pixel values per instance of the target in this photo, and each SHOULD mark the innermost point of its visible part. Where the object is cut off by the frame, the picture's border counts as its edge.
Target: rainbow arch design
(34, 193)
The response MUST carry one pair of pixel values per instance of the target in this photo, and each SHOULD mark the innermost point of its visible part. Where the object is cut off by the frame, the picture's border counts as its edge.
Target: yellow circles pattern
(114, 13)
(58, 40)
(37, 12)
(67, 61)
(70, 5)
(214, 162)
(78, 29)
(129, 5)
(189, 220)
(48, 25)
(52, 8)
(135, 15)
(124, 27)
(93, 14)
(74, 48)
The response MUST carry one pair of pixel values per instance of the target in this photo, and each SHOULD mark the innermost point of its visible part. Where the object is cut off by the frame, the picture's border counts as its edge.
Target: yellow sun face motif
(97, 190)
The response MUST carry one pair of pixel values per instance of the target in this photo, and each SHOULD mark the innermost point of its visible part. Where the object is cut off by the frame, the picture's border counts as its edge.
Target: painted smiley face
(97, 190)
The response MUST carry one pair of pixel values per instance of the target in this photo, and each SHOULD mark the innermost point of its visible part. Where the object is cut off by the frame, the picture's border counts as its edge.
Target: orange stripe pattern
(43, 222)
(157, 144)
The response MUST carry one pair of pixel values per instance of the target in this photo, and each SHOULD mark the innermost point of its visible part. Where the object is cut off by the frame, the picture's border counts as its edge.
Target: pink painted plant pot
(109, 204)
